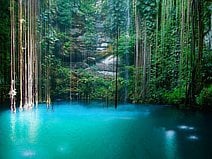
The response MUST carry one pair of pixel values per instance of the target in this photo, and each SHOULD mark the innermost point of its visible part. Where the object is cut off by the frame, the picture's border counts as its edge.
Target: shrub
(205, 96)
(177, 96)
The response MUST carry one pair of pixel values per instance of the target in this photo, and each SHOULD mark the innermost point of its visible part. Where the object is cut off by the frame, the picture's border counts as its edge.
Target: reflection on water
(193, 137)
(190, 130)
(79, 131)
(28, 153)
(33, 125)
(184, 127)
(171, 144)
(12, 126)
(24, 125)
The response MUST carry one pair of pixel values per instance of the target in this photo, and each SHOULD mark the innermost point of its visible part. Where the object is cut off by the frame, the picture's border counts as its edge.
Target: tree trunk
(21, 52)
(13, 57)
(117, 59)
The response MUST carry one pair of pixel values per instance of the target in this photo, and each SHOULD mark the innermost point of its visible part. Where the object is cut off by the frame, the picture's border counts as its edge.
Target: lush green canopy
(163, 49)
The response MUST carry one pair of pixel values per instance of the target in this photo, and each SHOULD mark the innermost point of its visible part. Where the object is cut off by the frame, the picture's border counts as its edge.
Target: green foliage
(60, 80)
(205, 97)
(69, 33)
(4, 50)
(63, 14)
(207, 66)
(126, 44)
(61, 83)
(116, 16)
(176, 96)
(91, 86)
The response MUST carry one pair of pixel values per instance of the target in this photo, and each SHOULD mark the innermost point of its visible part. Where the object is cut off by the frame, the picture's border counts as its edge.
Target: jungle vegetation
(159, 51)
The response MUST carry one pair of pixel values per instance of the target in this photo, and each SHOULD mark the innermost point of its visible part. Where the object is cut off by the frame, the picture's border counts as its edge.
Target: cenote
(77, 130)
(61, 53)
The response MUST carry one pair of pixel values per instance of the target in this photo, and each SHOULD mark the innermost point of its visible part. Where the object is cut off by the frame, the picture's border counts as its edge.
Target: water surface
(92, 131)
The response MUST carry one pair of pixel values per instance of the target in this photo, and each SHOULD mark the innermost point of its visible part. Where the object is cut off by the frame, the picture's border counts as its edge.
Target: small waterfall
(109, 60)
(105, 66)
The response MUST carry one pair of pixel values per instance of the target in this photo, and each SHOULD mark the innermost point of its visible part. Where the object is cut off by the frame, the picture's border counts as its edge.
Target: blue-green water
(92, 131)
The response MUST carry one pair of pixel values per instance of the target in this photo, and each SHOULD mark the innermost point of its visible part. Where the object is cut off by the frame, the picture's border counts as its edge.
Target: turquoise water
(92, 131)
